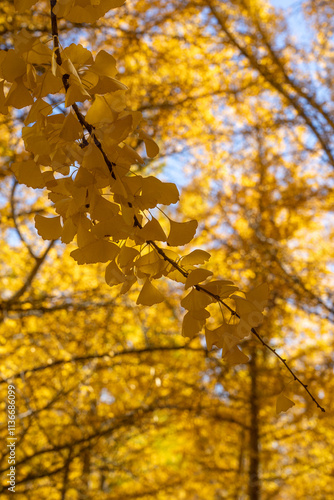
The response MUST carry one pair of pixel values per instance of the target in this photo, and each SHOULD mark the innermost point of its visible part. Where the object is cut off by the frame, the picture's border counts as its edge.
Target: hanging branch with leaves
(82, 158)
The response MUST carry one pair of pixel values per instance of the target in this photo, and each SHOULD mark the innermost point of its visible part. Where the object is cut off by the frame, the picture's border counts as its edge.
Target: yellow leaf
(152, 231)
(36, 52)
(212, 336)
(48, 227)
(119, 130)
(78, 55)
(49, 84)
(175, 275)
(3, 107)
(97, 251)
(196, 300)
(191, 326)
(181, 232)
(85, 11)
(28, 173)
(102, 111)
(22, 5)
(235, 356)
(154, 191)
(105, 64)
(89, 81)
(247, 311)
(12, 66)
(195, 257)
(197, 276)
(69, 231)
(85, 236)
(283, 403)
(259, 296)
(226, 337)
(75, 93)
(71, 129)
(38, 110)
(149, 264)
(127, 256)
(93, 161)
(114, 275)
(19, 96)
(149, 295)
(101, 208)
(222, 288)
(83, 178)
(130, 280)
(114, 227)
(152, 149)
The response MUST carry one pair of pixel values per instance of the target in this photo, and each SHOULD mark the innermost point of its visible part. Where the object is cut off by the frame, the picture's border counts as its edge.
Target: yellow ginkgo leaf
(75, 93)
(195, 257)
(154, 191)
(130, 280)
(197, 276)
(19, 96)
(101, 111)
(48, 227)
(97, 251)
(84, 11)
(149, 264)
(114, 275)
(105, 64)
(152, 231)
(22, 5)
(149, 295)
(3, 107)
(37, 111)
(71, 129)
(259, 296)
(222, 288)
(152, 149)
(196, 300)
(106, 84)
(181, 232)
(212, 336)
(12, 66)
(235, 356)
(83, 178)
(28, 173)
(126, 256)
(69, 231)
(119, 130)
(248, 311)
(191, 326)
(102, 209)
(78, 55)
(50, 84)
(175, 275)
(283, 403)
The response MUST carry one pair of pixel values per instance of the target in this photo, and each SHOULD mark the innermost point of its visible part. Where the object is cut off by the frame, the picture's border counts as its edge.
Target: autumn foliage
(95, 97)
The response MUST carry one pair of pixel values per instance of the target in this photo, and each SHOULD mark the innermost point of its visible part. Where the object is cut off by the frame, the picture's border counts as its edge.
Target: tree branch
(153, 244)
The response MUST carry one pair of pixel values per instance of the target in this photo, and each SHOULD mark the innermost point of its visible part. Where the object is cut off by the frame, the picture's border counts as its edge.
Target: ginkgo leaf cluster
(82, 157)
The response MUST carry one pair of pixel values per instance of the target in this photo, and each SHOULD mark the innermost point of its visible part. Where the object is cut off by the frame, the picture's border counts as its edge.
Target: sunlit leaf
(195, 257)
(48, 227)
(283, 403)
(149, 295)
(197, 276)
(181, 233)
(97, 251)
